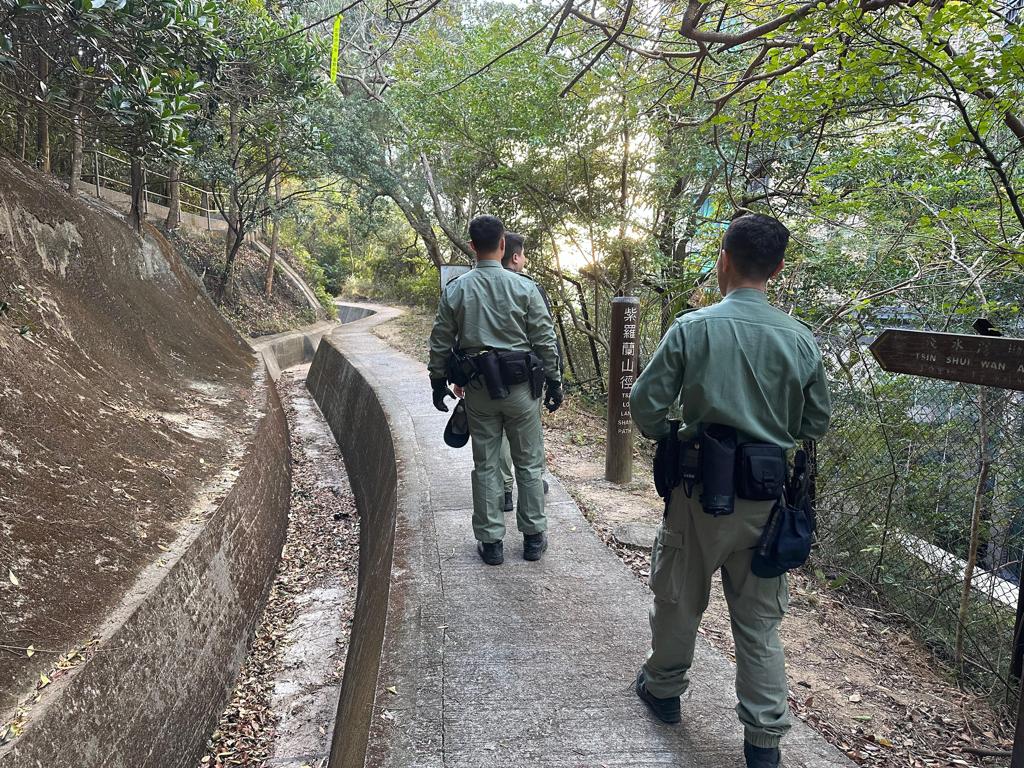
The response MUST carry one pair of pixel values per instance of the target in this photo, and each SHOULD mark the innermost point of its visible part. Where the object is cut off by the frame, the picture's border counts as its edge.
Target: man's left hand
(441, 391)
(553, 396)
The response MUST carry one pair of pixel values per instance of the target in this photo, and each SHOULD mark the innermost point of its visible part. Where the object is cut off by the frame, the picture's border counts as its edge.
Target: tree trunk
(565, 343)
(237, 234)
(977, 513)
(77, 140)
(590, 339)
(274, 227)
(230, 246)
(135, 211)
(21, 131)
(43, 119)
(173, 197)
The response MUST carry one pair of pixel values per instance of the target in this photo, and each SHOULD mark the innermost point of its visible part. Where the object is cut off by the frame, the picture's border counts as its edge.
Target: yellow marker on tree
(335, 45)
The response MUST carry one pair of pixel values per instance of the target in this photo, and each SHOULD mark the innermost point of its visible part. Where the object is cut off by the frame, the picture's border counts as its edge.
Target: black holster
(667, 464)
(459, 369)
(537, 376)
(488, 367)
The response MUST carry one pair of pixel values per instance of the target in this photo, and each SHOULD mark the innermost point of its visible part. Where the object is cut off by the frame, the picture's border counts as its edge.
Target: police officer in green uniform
(493, 309)
(747, 365)
(514, 260)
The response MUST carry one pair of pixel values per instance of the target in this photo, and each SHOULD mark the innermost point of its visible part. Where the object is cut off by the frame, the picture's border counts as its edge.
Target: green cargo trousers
(690, 546)
(505, 464)
(518, 417)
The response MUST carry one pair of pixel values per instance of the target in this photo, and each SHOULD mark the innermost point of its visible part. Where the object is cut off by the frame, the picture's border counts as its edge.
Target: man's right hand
(441, 391)
(553, 396)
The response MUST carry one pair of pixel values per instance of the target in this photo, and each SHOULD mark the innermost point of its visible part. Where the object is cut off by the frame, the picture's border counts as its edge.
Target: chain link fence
(921, 502)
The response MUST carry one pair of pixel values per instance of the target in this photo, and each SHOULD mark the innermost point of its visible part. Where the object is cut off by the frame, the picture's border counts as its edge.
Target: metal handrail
(184, 204)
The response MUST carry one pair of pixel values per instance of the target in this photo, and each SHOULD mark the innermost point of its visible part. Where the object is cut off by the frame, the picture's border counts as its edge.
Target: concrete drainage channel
(286, 699)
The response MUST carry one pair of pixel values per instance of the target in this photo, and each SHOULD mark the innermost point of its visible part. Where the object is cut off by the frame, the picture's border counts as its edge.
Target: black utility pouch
(786, 541)
(718, 469)
(515, 367)
(760, 471)
(490, 371)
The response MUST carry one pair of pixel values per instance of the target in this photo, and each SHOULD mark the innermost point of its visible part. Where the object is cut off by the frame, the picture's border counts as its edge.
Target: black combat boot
(666, 710)
(760, 757)
(534, 545)
(492, 553)
(508, 502)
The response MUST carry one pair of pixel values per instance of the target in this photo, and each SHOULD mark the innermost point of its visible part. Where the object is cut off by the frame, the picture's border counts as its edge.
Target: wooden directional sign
(991, 361)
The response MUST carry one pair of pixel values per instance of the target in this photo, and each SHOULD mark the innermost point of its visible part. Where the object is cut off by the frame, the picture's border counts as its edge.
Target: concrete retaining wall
(351, 407)
(167, 660)
(349, 313)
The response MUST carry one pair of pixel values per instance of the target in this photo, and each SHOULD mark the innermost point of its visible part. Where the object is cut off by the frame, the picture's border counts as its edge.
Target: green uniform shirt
(491, 307)
(742, 363)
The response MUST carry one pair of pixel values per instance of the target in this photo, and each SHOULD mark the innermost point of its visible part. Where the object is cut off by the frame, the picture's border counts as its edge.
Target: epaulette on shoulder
(805, 324)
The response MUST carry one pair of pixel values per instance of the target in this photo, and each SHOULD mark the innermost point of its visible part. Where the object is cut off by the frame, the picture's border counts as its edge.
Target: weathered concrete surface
(283, 350)
(520, 665)
(168, 657)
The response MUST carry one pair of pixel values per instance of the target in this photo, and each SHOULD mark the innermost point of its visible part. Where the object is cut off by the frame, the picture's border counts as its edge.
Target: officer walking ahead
(745, 366)
(499, 322)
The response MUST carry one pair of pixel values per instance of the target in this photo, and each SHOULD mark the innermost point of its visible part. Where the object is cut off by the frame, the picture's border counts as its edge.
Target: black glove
(553, 395)
(441, 391)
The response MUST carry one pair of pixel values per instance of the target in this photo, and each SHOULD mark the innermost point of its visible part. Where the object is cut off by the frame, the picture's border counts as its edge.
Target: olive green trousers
(690, 547)
(518, 417)
(505, 464)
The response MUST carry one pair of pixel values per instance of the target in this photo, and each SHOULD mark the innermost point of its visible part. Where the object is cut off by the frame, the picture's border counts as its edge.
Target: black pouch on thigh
(718, 469)
(760, 471)
(786, 541)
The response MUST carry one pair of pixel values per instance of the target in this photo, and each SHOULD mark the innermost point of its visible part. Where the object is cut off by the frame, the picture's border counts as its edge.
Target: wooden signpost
(622, 372)
(989, 361)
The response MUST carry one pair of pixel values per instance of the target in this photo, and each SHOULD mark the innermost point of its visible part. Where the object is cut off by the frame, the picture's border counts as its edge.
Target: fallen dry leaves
(322, 543)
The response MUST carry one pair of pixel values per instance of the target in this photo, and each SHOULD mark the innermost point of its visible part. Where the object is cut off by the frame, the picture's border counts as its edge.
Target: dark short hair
(485, 232)
(514, 243)
(756, 244)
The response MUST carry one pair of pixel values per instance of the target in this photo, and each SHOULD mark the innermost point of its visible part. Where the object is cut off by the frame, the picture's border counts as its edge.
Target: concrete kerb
(347, 395)
(421, 688)
(166, 659)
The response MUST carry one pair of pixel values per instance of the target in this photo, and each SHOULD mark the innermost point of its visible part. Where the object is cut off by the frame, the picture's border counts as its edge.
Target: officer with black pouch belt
(493, 335)
(750, 383)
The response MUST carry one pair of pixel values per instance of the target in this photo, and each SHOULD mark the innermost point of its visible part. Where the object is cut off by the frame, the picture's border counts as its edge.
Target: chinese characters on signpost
(622, 372)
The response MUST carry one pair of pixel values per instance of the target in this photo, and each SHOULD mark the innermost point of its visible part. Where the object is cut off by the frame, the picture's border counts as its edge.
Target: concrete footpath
(524, 664)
